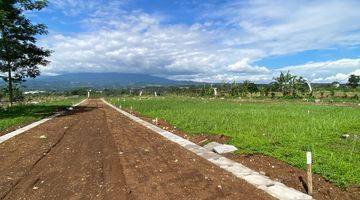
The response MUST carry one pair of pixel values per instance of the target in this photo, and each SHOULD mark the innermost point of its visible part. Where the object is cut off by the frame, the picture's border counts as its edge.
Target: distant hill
(98, 80)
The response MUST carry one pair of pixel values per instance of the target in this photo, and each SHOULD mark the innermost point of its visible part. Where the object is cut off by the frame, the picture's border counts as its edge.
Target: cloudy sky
(201, 40)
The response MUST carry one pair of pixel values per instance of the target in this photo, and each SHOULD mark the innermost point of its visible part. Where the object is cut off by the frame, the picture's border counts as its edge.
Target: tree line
(285, 85)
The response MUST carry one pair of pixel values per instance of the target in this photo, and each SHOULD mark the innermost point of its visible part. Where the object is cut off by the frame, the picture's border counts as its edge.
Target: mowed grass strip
(19, 115)
(284, 130)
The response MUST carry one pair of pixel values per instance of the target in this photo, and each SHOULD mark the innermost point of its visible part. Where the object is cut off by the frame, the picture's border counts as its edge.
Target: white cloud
(223, 48)
(244, 66)
(281, 27)
(338, 77)
(327, 66)
(338, 70)
(138, 43)
(233, 77)
(316, 72)
(94, 8)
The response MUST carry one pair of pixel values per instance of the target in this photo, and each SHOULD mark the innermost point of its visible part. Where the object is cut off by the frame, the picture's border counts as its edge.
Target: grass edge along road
(284, 130)
(23, 114)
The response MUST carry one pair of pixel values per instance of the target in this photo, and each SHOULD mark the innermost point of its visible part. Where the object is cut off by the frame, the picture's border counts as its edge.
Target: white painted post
(215, 92)
(140, 93)
(88, 94)
(309, 85)
(120, 106)
(155, 94)
(156, 121)
(309, 173)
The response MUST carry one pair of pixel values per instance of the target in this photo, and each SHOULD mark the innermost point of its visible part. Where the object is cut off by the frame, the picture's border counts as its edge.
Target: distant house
(335, 84)
(34, 92)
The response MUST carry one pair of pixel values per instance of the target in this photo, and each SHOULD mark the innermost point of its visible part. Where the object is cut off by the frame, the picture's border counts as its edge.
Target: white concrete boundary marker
(274, 188)
(30, 126)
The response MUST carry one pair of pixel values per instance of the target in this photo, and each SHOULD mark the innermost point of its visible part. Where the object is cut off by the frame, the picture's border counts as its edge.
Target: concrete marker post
(309, 173)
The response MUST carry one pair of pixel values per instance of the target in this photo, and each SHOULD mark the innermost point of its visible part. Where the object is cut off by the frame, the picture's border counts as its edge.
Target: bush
(273, 95)
(322, 94)
(356, 97)
(332, 93)
(1, 95)
(78, 91)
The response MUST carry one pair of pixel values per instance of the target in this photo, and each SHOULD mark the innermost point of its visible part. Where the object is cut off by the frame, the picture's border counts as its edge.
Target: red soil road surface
(94, 152)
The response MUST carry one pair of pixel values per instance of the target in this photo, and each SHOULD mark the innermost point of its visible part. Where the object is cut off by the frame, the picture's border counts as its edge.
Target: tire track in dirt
(27, 150)
(75, 168)
(37, 161)
(115, 188)
(32, 166)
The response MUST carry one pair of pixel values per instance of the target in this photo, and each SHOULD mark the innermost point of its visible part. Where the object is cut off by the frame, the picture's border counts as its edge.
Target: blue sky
(214, 40)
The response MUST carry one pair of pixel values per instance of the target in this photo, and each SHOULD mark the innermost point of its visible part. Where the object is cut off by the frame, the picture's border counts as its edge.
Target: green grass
(24, 114)
(284, 130)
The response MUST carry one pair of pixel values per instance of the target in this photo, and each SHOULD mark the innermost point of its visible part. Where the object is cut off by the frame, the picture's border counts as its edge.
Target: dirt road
(94, 152)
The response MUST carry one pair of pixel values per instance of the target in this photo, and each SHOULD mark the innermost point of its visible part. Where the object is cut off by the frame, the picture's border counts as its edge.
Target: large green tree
(248, 87)
(20, 57)
(234, 89)
(283, 83)
(353, 81)
(290, 84)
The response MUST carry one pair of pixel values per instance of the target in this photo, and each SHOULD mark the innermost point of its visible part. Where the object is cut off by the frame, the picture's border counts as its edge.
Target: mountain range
(98, 81)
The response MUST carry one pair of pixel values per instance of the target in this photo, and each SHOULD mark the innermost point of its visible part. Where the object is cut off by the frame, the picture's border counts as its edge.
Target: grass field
(284, 130)
(23, 114)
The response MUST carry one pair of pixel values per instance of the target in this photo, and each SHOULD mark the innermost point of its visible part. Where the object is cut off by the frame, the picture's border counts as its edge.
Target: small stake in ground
(156, 121)
(309, 173)
(120, 106)
(215, 91)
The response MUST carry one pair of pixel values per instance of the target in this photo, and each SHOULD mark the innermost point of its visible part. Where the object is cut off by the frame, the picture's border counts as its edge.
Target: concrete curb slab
(225, 148)
(274, 188)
